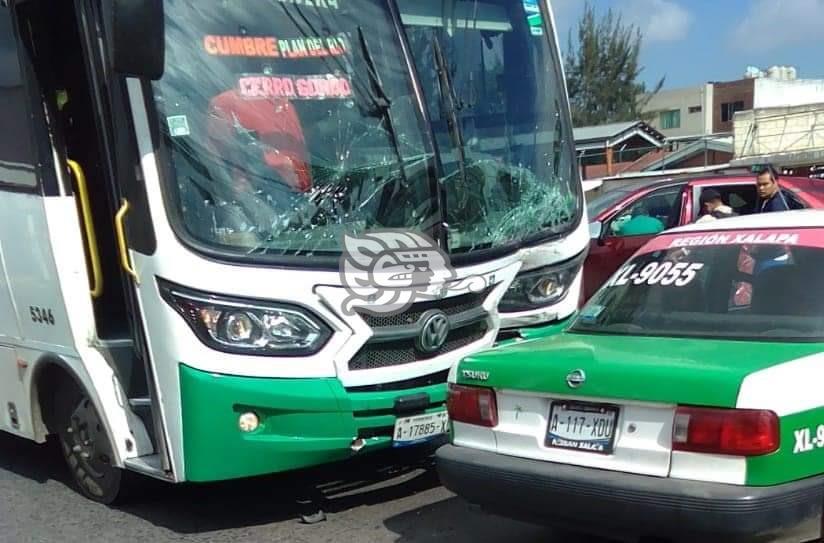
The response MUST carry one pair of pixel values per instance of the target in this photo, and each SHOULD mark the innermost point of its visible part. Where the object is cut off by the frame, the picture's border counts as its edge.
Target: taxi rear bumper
(613, 503)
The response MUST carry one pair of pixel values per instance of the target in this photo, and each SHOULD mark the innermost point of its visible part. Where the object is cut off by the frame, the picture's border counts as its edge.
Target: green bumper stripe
(304, 422)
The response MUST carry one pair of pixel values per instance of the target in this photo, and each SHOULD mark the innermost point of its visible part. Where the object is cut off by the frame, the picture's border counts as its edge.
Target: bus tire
(86, 446)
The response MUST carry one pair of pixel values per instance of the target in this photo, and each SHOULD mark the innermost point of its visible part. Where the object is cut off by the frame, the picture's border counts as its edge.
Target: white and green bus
(185, 187)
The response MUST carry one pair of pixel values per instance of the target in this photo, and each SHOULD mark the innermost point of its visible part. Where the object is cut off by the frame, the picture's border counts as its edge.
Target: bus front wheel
(86, 447)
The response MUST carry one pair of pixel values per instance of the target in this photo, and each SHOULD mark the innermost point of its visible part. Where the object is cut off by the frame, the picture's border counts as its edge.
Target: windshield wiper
(381, 101)
(448, 101)
(377, 96)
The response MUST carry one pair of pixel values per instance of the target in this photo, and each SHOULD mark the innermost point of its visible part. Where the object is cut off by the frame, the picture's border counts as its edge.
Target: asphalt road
(387, 499)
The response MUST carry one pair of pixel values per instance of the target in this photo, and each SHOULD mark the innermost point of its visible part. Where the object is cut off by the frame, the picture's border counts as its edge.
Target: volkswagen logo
(576, 378)
(434, 331)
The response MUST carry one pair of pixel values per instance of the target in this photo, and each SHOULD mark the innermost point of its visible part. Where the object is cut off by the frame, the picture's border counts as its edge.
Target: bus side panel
(32, 273)
(9, 327)
(12, 395)
(32, 313)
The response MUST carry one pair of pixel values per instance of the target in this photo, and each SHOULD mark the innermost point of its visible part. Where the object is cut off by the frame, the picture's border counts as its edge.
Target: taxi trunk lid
(644, 378)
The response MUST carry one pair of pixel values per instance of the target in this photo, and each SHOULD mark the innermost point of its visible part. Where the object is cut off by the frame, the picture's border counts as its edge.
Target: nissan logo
(434, 331)
(576, 378)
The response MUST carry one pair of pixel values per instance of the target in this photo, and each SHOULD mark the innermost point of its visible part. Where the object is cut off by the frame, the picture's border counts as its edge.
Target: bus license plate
(582, 426)
(420, 428)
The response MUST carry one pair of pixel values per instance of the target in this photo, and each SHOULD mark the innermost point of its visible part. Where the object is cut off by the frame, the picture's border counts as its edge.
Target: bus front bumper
(619, 504)
(303, 422)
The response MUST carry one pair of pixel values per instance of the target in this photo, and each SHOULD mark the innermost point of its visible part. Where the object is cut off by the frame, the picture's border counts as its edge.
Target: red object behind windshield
(277, 126)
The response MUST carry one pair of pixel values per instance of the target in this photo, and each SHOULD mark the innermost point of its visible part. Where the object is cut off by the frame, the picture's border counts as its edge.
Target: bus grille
(396, 353)
(468, 323)
(450, 306)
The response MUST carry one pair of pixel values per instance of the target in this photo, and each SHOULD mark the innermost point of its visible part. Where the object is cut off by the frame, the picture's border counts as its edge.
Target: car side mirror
(595, 229)
(137, 41)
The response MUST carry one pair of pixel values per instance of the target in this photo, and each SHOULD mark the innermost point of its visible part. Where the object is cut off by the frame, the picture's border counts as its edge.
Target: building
(700, 111)
(791, 138)
(767, 116)
(782, 93)
(778, 86)
(704, 156)
(699, 153)
(683, 112)
(728, 98)
(784, 125)
(626, 149)
(609, 149)
(709, 109)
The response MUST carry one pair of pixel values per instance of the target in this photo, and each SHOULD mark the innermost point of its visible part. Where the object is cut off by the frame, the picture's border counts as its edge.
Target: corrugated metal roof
(588, 138)
(602, 132)
(696, 147)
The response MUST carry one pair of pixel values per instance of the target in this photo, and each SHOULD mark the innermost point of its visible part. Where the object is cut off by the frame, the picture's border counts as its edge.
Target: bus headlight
(541, 287)
(240, 326)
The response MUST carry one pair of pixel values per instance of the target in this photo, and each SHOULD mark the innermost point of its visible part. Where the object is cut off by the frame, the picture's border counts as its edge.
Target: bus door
(86, 124)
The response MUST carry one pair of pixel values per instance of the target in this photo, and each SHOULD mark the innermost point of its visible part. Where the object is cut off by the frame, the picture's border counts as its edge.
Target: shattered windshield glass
(496, 101)
(289, 123)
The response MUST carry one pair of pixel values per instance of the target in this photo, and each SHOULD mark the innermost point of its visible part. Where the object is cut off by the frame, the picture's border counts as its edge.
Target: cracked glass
(288, 124)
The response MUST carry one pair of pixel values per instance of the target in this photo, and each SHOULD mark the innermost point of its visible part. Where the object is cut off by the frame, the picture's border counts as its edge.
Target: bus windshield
(289, 123)
(509, 163)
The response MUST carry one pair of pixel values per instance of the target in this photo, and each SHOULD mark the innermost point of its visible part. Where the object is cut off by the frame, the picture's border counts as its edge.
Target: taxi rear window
(737, 285)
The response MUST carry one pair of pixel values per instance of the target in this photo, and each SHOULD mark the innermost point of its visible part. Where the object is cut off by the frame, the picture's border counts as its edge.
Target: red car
(674, 203)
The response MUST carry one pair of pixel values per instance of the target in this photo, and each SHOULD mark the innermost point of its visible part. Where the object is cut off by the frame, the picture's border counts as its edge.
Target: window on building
(728, 110)
(695, 109)
(670, 119)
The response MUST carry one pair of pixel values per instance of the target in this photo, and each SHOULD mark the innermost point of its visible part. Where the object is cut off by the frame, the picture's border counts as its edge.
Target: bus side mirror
(137, 44)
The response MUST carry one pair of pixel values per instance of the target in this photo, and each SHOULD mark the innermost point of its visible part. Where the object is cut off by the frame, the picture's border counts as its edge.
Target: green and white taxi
(685, 401)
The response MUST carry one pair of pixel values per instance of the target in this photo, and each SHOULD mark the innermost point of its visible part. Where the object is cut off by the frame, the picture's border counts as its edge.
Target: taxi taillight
(737, 432)
(472, 405)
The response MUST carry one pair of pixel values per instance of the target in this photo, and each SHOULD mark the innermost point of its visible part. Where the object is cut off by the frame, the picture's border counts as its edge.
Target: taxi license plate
(420, 428)
(582, 426)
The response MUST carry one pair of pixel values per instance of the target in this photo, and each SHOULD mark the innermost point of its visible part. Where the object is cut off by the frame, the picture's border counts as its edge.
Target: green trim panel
(304, 422)
(801, 454)
(663, 370)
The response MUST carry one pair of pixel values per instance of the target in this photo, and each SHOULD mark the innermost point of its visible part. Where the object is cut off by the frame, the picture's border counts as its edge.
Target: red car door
(605, 257)
(619, 240)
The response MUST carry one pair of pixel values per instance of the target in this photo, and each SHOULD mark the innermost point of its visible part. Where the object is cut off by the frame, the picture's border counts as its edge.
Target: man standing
(770, 197)
(713, 207)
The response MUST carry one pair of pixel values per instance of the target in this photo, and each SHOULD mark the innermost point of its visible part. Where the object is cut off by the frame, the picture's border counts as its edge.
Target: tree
(603, 70)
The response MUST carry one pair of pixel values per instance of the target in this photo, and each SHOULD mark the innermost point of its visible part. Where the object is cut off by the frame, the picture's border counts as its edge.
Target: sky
(690, 42)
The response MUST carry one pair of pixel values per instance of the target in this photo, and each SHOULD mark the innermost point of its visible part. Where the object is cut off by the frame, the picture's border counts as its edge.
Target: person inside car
(713, 206)
(770, 197)
(642, 223)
